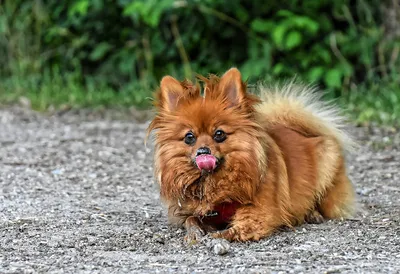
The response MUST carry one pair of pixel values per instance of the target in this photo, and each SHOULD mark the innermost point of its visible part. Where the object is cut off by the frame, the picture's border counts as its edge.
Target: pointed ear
(232, 87)
(170, 92)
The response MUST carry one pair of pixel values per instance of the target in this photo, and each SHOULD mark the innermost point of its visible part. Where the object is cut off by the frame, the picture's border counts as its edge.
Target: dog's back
(309, 133)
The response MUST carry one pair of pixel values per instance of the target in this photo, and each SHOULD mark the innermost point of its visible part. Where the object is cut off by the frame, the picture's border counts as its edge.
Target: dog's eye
(190, 139)
(219, 136)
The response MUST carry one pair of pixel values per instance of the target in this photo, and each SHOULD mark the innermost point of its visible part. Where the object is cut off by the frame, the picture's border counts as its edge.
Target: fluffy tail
(301, 107)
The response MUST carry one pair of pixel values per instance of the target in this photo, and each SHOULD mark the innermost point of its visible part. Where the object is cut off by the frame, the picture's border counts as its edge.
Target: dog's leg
(338, 201)
(194, 230)
(336, 194)
(250, 223)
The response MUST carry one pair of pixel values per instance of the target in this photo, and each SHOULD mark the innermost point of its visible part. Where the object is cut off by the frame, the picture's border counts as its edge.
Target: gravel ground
(78, 196)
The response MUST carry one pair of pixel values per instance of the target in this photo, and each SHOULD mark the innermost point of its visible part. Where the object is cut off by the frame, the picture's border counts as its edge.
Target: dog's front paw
(193, 235)
(243, 234)
(230, 234)
(194, 231)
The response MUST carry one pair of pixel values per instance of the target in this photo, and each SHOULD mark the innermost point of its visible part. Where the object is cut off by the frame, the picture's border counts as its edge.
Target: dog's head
(205, 138)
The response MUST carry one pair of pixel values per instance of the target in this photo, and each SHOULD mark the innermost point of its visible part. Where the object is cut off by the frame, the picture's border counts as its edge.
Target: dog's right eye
(190, 139)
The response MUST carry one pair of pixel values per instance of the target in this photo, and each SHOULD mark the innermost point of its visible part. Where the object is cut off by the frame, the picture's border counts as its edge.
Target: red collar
(222, 213)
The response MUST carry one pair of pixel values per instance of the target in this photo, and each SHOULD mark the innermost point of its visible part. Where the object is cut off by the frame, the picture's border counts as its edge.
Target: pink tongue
(206, 162)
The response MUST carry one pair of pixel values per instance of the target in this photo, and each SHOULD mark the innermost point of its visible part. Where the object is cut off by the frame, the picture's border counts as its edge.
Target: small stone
(158, 238)
(92, 175)
(365, 191)
(25, 102)
(388, 175)
(57, 171)
(220, 247)
(92, 240)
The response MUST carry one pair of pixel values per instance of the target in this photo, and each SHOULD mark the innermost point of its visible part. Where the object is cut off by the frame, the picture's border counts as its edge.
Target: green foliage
(378, 102)
(53, 90)
(117, 45)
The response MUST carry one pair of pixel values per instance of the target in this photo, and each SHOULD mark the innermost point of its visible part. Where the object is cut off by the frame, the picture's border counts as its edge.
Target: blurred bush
(123, 43)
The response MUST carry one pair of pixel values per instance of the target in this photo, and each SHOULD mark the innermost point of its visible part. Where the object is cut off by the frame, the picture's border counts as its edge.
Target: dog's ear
(171, 91)
(232, 88)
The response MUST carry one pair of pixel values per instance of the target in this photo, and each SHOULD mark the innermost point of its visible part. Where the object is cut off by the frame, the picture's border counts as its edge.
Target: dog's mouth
(206, 162)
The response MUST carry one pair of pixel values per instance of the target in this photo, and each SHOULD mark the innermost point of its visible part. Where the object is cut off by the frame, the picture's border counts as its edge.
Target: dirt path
(77, 195)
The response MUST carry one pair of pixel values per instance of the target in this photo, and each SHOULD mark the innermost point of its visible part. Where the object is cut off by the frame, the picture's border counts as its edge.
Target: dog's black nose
(203, 150)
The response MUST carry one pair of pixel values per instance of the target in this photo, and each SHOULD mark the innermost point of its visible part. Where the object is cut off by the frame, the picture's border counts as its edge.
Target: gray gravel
(78, 196)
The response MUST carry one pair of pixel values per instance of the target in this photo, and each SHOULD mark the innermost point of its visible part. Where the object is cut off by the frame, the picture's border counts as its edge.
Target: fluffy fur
(281, 163)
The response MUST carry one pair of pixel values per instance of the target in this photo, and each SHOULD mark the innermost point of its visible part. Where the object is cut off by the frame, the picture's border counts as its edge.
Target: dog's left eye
(190, 139)
(219, 136)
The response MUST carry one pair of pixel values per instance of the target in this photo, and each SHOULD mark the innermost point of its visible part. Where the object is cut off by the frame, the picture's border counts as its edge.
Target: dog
(240, 166)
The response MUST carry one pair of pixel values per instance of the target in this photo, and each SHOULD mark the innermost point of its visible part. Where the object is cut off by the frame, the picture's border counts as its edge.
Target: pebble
(57, 171)
(220, 246)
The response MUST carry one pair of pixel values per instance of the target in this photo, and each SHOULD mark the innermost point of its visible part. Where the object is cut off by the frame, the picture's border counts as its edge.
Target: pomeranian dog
(241, 166)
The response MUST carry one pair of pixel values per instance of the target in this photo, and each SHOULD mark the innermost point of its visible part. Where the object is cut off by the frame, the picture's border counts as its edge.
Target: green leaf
(158, 9)
(315, 74)
(3, 25)
(127, 63)
(278, 68)
(262, 26)
(150, 11)
(347, 69)
(99, 51)
(253, 50)
(284, 13)
(134, 7)
(333, 78)
(293, 39)
(324, 54)
(80, 7)
(306, 23)
(267, 55)
(393, 97)
(242, 14)
(278, 34)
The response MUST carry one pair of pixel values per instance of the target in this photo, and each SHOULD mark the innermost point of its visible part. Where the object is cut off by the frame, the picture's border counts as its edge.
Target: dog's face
(203, 141)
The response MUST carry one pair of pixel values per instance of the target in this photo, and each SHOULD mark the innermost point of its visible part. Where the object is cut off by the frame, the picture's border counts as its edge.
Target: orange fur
(280, 161)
